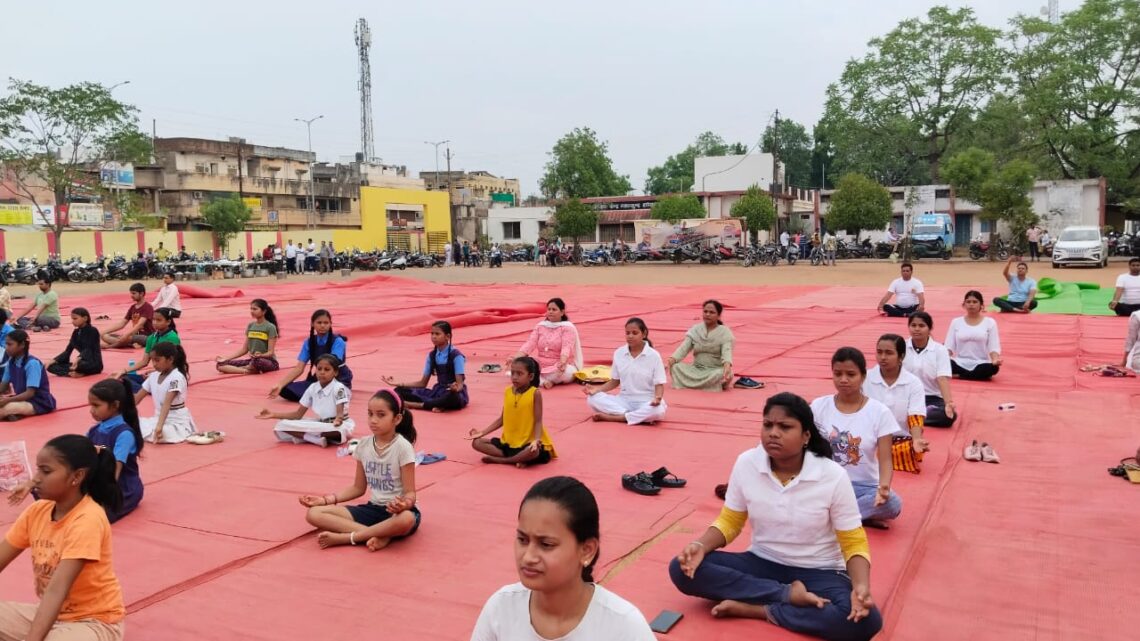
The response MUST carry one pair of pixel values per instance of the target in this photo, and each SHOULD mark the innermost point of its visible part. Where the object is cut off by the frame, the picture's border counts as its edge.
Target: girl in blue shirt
(113, 405)
(449, 367)
(24, 387)
(322, 340)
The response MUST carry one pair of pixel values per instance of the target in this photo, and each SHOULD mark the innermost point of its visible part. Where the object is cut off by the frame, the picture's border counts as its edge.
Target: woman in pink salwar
(554, 343)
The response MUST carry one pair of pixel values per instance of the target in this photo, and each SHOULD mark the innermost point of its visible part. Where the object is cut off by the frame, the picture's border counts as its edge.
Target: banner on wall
(15, 214)
(85, 215)
(254, 205)
(659, 233)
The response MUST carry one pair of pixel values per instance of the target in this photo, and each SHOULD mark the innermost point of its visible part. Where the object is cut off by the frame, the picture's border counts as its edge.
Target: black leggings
(936, 413)
(981, 372)
(1126, 309)
(63, 368)
(1006, 306)
(894, 311)
(447, 403)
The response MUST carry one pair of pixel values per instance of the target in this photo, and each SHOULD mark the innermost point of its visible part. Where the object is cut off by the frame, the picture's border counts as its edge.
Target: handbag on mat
(903, 456)
(593, 374)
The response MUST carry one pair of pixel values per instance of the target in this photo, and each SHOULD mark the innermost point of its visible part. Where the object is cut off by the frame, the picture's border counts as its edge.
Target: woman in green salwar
(710, 341)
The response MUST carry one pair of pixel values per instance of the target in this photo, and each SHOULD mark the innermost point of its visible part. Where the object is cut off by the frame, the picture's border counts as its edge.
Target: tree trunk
(935, 158)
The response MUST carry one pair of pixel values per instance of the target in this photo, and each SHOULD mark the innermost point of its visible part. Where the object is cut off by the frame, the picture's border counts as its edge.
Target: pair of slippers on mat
(1128, 468)
(206, 438)
(984, 452)
(747, 383)
(490, 368)
(651, 484)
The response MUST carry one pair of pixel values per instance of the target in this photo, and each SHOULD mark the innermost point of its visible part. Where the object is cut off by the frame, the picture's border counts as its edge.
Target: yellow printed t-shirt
(518, 420)
(84, 533)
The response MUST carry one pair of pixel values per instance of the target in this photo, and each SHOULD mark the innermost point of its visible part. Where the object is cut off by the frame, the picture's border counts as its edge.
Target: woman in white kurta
(328, 398)
(640, 372)
(172, 422)
(973, 341)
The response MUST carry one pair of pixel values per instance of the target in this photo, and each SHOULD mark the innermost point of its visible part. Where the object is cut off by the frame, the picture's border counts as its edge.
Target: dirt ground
(851, 272)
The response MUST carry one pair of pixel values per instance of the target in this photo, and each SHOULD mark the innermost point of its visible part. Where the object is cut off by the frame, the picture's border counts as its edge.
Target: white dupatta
(577, 341)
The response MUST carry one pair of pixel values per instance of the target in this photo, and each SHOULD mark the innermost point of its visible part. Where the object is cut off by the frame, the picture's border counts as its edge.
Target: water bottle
(130, 365)
(342, 452)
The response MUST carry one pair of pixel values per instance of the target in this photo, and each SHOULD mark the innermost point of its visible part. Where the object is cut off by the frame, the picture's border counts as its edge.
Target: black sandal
(721, 490)
(747, 383)
(664, 478)
(640, 483)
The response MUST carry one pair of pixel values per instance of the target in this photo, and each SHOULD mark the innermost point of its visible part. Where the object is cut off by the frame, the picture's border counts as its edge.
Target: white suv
(1080, 246)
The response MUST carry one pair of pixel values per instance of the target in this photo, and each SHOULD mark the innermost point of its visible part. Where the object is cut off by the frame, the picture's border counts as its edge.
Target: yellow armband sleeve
(915, 420)
(730, 523)
(853, 543)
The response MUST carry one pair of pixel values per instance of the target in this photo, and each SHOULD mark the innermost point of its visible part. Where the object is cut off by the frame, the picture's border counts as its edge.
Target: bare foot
(331, 539)
(547, 385)
(377, 543)
(598, 418)
(494, 459)
(436, 410)
(735, 609)
(800, 597)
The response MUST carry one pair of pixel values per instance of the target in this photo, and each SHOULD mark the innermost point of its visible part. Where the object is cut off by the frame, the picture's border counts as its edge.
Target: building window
(302, 203)
(897, 195)
(987, 226)
(512, 230)
(941, 193)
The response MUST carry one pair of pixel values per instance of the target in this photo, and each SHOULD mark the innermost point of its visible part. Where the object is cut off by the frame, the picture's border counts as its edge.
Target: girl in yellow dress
(524, 441)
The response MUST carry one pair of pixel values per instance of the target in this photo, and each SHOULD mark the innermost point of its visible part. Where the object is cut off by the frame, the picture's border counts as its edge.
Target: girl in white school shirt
(640, 372)
(929, 360)
(168, 383)
(973, 342)
(328, 398)
(556, 548)
(860, 430)
(898, 389)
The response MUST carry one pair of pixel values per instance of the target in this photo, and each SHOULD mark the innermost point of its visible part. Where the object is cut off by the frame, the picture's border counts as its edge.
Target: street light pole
(312, 217)
(436, 145)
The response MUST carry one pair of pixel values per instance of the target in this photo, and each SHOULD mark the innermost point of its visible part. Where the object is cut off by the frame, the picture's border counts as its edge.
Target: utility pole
(450, 207)
(435, 185)
(311, 218)
(776, 164)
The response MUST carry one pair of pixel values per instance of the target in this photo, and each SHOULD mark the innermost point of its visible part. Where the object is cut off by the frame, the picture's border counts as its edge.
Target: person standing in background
(1033, 236)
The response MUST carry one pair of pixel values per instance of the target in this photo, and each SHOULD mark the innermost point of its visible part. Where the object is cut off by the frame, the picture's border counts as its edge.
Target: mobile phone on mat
(665, 621)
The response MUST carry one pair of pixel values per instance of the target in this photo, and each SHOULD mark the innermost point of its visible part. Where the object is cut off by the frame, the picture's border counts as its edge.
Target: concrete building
(273, 181)
(1059, 204)
(517, 225)
(473, 194)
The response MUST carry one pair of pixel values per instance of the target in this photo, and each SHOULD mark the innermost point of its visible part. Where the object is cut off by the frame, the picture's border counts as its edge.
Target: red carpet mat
(219, 548)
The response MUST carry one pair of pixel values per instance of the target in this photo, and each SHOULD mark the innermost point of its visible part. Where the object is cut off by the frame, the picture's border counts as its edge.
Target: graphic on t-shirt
(379, 475)
(844, 447)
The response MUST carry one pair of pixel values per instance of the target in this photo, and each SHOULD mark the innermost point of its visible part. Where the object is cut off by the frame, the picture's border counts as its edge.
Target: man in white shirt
(785, 240)
(1033, 236)
(1126, 298)
(290, 257)
(909, 294)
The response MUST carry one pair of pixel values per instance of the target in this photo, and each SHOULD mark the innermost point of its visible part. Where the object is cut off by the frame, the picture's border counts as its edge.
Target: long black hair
(269, 315)
(77, 452)
(168, 314)
(406, 426)
(20, 337)
(176, 354)
(799, 409)
(82, 313)
(111, 390)
(532, 368)
(561, 305)
(581, 509)
(313, 334)
(851, 355)
(717, 306)
(642, 326)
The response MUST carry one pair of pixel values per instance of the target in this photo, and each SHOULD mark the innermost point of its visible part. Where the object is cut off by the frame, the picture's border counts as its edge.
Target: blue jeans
(745, 577)
(865, 497)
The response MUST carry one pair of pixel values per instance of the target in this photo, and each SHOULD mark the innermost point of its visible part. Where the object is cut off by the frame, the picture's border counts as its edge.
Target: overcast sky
(502, 79)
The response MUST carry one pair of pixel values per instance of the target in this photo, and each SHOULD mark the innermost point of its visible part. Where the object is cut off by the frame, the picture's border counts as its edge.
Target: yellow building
(408, 218)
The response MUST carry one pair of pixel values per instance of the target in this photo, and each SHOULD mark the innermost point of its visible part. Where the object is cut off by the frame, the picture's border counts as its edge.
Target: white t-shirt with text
(382, 469)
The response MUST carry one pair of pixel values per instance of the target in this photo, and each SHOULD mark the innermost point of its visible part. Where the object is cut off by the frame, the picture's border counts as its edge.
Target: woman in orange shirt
(70, 539)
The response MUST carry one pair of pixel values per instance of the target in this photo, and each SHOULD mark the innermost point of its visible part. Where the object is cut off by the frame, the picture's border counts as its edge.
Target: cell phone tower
(363, 36)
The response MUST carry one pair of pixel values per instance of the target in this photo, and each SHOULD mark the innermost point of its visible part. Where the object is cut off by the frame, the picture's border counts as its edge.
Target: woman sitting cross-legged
(808, 568)
(973, 342)
(710, 341)
(449, 366)
(554, 343)
(638, 369)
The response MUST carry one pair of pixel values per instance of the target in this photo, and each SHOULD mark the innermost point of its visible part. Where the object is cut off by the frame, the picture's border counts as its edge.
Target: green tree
(57, 139)
(226, 216)
(922, 80)
(674, 209)
(574, 219)
(890, 152)
(1001, 191)
(756, 209)
(858, 204)
(1079, 86)
(676, 174)
(580, 167)
(793, 146)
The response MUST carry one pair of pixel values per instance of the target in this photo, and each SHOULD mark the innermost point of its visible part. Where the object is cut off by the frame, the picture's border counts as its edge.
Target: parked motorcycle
(980, 248)
(496, 258)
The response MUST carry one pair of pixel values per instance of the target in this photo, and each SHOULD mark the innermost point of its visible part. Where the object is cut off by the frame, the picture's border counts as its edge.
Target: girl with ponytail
(168, 384)
(70, 540)
(260, 344)
(117, 430)
(556, 549)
